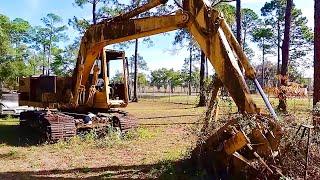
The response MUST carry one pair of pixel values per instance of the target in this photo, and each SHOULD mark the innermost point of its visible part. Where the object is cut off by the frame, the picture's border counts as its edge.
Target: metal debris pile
(246, 144)
(255, 147)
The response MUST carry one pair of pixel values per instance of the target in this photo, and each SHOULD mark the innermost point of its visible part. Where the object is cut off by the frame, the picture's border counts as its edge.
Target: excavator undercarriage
(54, 125)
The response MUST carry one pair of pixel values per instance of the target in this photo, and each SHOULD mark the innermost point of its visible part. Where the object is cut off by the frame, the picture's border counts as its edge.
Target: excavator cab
(110, 92)
(100, 92)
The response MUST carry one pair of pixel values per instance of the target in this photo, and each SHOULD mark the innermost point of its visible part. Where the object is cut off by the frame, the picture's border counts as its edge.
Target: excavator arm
(106, 33)
(221, 52)
(206, 25)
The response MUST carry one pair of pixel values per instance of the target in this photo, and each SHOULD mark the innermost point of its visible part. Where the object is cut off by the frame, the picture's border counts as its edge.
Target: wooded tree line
(27, 50)
(162, 77)
(32, 50)
(280, 30)
(267, 32)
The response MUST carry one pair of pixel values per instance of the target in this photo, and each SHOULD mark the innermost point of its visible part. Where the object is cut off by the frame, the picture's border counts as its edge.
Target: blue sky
(157, 56)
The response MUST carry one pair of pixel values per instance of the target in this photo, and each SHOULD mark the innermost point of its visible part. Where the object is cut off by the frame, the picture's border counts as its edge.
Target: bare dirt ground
(165, 136)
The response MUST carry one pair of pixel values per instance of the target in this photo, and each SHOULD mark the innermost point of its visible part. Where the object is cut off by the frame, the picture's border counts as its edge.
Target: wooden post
(307, 155)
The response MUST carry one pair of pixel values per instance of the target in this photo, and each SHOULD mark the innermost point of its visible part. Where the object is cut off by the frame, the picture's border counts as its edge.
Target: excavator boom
(206, 25)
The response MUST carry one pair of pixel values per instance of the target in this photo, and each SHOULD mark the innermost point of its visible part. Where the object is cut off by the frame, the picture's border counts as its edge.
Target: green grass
(113, 139)
(12, 154)
(107, 175)
(165, 169)
(9, 130)
(300, 108)
(144, 133)
(184, 99)
(9, 120)
(298, 103)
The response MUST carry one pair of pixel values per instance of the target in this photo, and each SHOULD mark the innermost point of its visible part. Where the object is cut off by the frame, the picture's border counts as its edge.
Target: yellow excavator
(74, 97)
(96, 107)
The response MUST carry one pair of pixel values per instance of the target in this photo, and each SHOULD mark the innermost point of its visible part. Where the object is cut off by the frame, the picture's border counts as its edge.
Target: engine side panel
(46, 91)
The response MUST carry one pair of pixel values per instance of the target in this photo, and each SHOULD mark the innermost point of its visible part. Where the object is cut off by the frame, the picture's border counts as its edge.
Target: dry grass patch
(130, 156)
(164, 138)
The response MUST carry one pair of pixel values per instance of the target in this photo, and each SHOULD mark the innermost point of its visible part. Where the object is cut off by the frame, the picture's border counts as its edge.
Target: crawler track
(54, 126)
(126, 120)
(60, 126)
(51, 126)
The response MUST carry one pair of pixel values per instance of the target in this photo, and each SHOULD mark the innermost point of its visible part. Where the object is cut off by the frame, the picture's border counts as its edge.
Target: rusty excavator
(89, 89)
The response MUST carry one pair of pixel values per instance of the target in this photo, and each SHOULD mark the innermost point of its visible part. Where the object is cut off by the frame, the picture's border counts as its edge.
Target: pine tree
(285, 55)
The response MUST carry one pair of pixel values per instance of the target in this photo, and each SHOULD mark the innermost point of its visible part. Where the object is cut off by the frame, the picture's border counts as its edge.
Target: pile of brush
(247, 145)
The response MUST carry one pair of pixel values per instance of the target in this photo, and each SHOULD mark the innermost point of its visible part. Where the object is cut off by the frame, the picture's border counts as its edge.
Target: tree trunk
(244, 38)
(238, 14)
(94, 6)
(1, 95)
(285, 56)
(44, 59)
(49, 50)
(131, 76)
(202, 101)
(316, 94)
(0, 92)
(239, 27)
(286, 40)
(128, 78)
(262, 69)
(279, 39)
(49, 59)
(190, 70)
(135, 79)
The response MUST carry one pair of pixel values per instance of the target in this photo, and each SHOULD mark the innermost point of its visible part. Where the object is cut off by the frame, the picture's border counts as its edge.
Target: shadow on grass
(109, 172)
(187, 104)
(184, 106)
(14, 135)
(112, 172)
(174, 116)
(162, 170)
